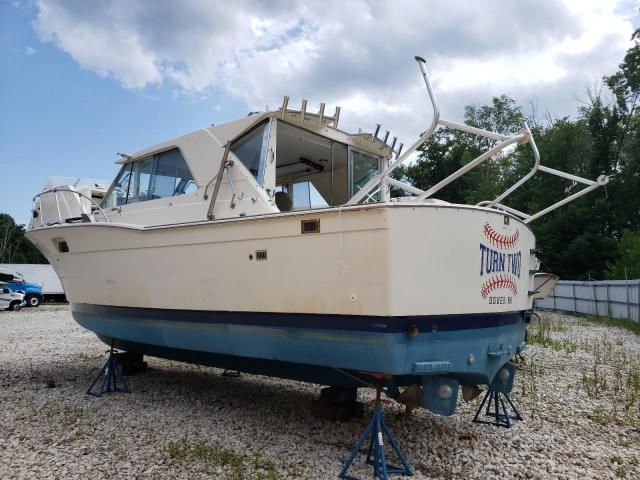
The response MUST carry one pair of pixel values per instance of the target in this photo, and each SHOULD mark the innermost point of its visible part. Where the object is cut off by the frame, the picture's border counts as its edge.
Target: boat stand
(500, 415)
(111, 375)
(376, 430)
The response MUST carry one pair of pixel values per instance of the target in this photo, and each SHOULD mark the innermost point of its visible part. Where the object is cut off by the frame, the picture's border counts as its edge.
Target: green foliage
(211, 457)
(627, 266)
(616, 322)
(14, 247)
(590, 238)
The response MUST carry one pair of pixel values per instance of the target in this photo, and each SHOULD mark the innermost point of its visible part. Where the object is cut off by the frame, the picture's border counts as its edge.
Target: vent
(63, 247)
(261, 254)
(310, 226)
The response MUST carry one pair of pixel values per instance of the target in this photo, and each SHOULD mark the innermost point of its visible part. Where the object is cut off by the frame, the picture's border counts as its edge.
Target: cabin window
(362, 168)
(161, 175)
(117, 193)
(306, 196)
(172, 177)
(140, 183)
(251, 150)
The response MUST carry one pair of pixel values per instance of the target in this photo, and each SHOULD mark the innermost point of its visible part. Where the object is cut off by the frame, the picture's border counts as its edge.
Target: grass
(211, 456)
(629, 325)
(541, 333)
(611, 375)
(65, 414)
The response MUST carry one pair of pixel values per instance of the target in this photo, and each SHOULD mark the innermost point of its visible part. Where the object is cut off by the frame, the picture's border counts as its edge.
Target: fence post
(638, 305)
(608, 306)
(573, 290)
(595, 300)
(628, 301)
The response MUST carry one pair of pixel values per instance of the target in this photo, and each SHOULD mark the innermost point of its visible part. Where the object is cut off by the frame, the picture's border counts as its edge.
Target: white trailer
(41, 274)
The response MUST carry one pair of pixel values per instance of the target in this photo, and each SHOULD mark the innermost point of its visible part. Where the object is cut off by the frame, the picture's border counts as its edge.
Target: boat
(271, 245)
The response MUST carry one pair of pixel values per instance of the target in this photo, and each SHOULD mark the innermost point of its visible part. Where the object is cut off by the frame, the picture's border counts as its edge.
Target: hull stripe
(365, 323)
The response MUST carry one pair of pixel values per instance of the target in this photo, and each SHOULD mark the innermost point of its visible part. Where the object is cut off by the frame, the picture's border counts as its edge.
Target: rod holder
(375, 135)
(285, 103)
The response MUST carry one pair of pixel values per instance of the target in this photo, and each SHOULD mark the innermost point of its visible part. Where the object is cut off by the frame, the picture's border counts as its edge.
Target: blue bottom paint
(309, 353)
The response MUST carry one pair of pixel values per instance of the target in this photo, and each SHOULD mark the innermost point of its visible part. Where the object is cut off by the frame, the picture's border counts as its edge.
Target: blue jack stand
(111, 374)
(498, 392)
(375, 455)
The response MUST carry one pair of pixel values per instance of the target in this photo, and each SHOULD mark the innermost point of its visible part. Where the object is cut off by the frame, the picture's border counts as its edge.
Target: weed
(616, 322)
(540, 333)
(621, 472)
(64, 414)
(600, 416)
(212, 456)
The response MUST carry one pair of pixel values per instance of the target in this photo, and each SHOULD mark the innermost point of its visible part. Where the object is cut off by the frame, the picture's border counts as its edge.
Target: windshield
(117, 193)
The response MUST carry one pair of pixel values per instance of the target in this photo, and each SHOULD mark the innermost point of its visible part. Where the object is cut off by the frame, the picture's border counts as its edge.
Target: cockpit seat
(283, 201)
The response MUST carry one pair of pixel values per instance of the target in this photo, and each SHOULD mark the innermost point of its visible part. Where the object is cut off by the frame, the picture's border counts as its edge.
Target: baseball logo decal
(500, 264)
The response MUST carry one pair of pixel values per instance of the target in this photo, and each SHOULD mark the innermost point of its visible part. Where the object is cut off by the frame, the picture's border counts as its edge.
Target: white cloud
(357, 54)
(29, 51)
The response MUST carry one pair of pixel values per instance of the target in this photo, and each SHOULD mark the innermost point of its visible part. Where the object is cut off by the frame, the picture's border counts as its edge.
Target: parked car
(15, 281)
(10, 300)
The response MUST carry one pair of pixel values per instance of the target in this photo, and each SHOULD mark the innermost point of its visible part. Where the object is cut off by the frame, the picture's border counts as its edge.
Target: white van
(10, 300)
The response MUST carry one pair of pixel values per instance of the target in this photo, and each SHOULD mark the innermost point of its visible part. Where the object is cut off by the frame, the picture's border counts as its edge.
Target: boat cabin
(280, 161)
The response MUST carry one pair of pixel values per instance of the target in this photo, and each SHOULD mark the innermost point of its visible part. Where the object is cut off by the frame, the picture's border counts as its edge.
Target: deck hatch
(310, 226)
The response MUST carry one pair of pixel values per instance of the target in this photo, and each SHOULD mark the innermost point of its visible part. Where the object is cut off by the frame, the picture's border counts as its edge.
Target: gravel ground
(576, 391)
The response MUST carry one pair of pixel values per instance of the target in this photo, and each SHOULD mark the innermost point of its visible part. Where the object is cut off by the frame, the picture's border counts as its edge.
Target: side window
(362, 168)
(251, 150)
(139, 186)
(164, 174)
(172, 176)
(306, 196)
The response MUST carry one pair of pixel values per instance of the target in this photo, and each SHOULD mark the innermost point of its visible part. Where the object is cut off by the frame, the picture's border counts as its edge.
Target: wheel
(15, 306)
(33, 300)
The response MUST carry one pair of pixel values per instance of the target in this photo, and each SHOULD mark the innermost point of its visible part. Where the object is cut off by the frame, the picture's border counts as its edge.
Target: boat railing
(382, 180)
(224, 166)
(60, 220)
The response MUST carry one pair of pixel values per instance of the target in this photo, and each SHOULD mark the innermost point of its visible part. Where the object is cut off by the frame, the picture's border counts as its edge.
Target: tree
(14, 247)
(448, 150)
(627, 266)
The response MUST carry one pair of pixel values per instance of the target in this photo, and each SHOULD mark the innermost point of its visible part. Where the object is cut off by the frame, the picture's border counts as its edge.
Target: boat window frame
(266, 140)
(380, 158)
(129, 165)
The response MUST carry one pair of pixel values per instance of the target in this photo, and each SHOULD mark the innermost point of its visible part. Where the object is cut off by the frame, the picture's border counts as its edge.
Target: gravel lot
(578, 389)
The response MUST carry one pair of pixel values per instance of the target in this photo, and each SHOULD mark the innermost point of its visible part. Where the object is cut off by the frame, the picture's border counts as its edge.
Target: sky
(82, 80)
